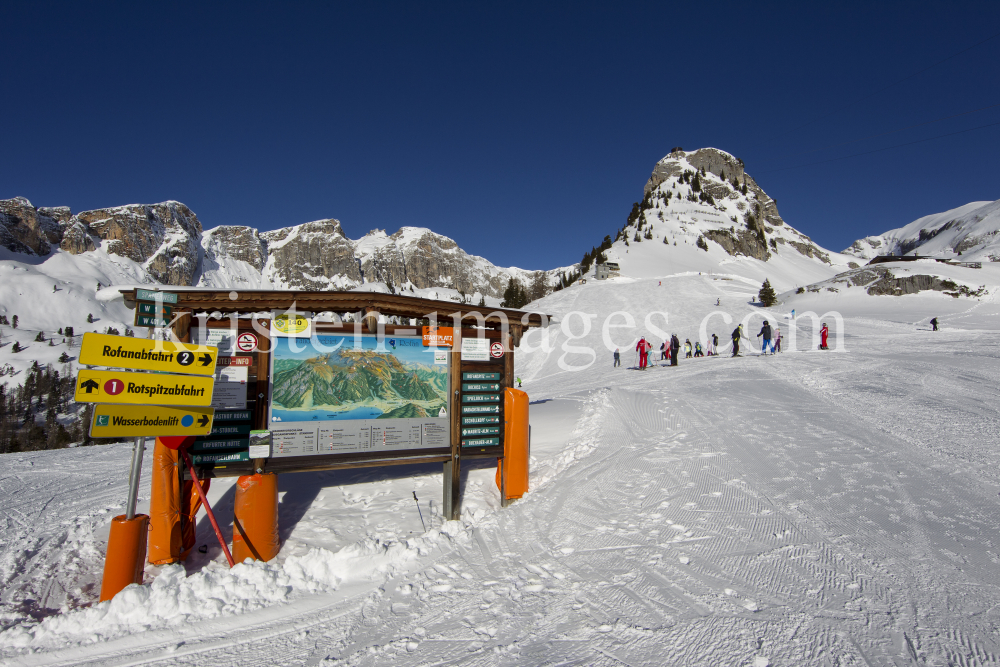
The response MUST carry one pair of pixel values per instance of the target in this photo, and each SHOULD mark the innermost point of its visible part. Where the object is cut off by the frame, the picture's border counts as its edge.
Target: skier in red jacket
(823, 333)
(643, 347)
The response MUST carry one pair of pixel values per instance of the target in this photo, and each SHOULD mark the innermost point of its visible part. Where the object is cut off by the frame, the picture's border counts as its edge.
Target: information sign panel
(333, 394)
(152, 295)
(480, 442)
(480, 419)
(146, 355)
(481, 376)
(475, 349)
(214, 445)
(481, 430)
(127, 421)
(480, 398)
(151, 321)
(480, 409)
(146, 308)
(219, 457)
(222, 339)
(480, 386)
(231, 383)
(142, 388)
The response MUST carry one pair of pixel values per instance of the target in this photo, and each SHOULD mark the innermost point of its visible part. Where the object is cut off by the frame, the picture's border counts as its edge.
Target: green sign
(150, 321)
(151, 295)
(231, 429)
(231, 457)
(469, 421)
(480, 409)
(480, 376)
(481, 386)
(232, 415)
(479, 442)
(215, 445)
(146, 308)
(481, 398)
(481, 430)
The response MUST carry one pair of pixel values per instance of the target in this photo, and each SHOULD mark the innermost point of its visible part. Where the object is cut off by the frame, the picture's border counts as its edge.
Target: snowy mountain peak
(704, 213)
(970, 232)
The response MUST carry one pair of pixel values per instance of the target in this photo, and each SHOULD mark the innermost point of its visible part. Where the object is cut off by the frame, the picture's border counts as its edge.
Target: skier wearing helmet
(765, 331)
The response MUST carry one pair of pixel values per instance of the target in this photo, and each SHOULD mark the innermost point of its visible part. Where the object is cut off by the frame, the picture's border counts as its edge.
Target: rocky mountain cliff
(969, 233)
(701, 212)
(168, 242)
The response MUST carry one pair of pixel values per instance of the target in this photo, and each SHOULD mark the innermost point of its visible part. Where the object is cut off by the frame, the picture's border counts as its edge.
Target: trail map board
(337, 394)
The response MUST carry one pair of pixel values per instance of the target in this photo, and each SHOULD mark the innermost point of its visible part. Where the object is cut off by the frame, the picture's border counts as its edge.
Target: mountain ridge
(169, 243)
(970, 232)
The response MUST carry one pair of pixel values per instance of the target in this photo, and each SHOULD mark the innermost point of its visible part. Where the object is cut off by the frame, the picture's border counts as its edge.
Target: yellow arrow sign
(142, 388)
(126, 421)
(147, 355)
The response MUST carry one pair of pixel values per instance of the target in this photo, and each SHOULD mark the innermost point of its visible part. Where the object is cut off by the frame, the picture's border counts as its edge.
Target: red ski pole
(208, 508)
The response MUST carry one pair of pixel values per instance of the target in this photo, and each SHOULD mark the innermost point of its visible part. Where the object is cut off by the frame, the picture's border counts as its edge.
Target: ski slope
(808, 508)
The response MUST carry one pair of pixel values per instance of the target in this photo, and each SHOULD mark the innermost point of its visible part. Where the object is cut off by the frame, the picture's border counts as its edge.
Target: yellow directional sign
(142, 388)
(126, 421)
(147, 355)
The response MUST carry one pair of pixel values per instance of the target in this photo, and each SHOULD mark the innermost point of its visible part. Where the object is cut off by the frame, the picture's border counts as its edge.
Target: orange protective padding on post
(126, 556)
(173, 509)
(255, 518)
(515, 443)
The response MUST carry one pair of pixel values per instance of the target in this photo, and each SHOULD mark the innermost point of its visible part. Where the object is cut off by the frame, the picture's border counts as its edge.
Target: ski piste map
(333, 377)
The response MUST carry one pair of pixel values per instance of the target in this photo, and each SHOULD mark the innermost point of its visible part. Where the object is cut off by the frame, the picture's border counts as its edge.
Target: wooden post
(452, 469)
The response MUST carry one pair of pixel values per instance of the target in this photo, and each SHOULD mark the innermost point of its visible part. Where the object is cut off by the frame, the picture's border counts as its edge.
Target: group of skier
(670, 349)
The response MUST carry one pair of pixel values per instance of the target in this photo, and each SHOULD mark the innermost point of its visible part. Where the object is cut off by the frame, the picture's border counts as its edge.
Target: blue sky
(523, 132)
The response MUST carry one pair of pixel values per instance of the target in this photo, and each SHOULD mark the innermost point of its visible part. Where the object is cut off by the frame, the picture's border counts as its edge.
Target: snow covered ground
(809, 508)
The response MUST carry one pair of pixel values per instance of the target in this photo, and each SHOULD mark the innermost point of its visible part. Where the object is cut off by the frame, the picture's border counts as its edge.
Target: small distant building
(606, 270)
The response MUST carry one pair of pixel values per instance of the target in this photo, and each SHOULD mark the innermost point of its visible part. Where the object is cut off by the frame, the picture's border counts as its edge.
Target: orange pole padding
(255, 518)
(173, 509)
(208, 508)
(515, 443)
(126, 557)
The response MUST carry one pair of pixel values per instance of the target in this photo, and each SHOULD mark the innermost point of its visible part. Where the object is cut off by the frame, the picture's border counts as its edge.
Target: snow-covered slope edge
(967, 233)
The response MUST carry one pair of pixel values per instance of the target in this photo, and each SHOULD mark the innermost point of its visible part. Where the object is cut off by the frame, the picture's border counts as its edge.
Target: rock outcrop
(164, 237)
(23, 228)
(750, 224)
(314, 256)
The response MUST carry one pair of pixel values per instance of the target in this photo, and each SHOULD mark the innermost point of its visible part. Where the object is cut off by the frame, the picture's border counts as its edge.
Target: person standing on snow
(663, 350)
(777, 340)
(823, 333)
(687, 348)
(697, 349)
(618, 358)
(737, 334)
(641, 348)
(715, 345)
(675, 349)
(765, 331)
(934, 324)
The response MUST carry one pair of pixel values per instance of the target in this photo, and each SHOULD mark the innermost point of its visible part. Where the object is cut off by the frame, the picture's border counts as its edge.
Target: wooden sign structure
(225, 452)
